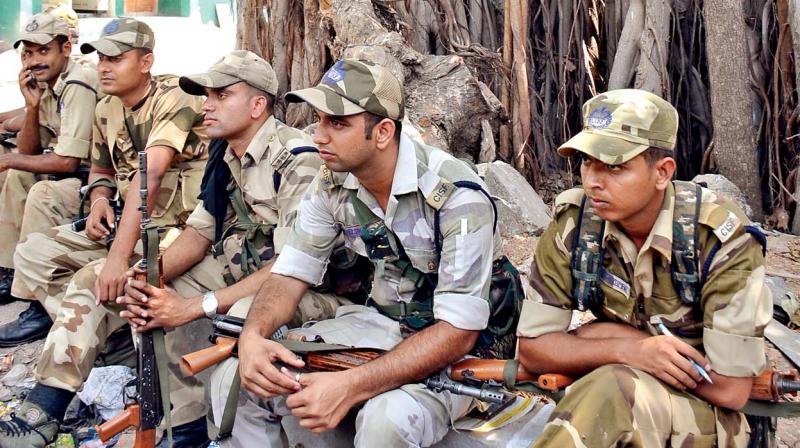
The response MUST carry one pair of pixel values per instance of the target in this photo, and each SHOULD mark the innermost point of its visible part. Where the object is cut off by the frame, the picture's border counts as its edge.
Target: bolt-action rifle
(146, 410)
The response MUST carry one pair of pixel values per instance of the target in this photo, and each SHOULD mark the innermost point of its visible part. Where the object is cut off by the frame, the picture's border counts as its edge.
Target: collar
(660, 237)
(258, 145)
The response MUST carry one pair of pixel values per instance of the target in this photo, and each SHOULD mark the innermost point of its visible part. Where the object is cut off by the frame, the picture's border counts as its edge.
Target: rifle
(146, 411)
(467, 377)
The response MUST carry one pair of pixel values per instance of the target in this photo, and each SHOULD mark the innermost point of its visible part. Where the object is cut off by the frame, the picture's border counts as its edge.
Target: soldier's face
(343, 146)
(124, 73)
(625, 193)
(228, 112)
(45, 62)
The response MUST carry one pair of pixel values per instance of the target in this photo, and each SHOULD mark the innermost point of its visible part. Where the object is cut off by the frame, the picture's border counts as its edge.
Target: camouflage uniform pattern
(729, 326)
(166, 117)
(59, 267)
(468, 247)
(65, 124)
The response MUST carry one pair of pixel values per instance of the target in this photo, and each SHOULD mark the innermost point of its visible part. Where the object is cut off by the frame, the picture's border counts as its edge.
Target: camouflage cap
(351, 87)
(42, 28)
(120, 35)
(237, 66)
(620, 124)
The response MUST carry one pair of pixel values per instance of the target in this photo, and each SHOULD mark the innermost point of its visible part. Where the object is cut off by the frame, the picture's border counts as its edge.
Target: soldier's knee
(393, 418)
(28, 253)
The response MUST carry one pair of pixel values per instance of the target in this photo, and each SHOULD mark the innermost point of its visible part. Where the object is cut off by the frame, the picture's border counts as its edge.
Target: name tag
(615, 283)
(352, 232)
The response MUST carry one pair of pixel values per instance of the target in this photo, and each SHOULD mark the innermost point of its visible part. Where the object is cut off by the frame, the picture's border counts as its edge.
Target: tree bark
(651, 74)
(794, 26)
(731, 104)
(627, 48)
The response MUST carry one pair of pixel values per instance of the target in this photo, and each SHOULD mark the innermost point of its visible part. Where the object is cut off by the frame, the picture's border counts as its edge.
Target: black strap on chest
(70, 83)
(277, 175)
(586, 262)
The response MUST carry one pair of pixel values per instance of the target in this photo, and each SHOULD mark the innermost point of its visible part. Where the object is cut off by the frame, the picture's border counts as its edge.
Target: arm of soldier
(110, 283)
(28, 138)
(39, 163)
(737, 306)
(13, 121)
(77, 119)
(101, 167)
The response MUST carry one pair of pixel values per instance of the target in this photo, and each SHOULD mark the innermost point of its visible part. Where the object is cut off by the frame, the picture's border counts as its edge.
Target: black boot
(188, 435)
(32, 324)
(6, 278)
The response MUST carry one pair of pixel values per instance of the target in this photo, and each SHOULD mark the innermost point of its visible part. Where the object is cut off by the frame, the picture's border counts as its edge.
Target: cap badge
(599, 118)
(334, 75)
(111, 27)
(33, 26)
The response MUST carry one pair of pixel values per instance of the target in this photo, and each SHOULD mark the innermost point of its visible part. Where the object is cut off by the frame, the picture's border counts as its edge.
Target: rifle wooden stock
(771, 385)
(200, 360)
(337, 361)
(128, 418)
(492, 369)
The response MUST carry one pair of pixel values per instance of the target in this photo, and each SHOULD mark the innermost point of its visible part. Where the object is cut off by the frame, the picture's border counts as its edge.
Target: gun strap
(229, 414)
(158, 334)
(510, 373)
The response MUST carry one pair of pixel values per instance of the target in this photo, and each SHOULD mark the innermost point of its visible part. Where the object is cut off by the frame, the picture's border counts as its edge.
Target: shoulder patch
(721, 215)
(438, 196)
(326, 178)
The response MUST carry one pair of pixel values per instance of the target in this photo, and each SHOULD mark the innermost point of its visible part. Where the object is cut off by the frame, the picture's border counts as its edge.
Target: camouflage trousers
(29, 206)
(410, 416)
(617, 405)
(59, 269)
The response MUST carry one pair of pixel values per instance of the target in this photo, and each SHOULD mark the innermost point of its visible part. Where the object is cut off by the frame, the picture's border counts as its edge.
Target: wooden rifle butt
(200, 360)
(554, 381)
(124, 420)
(145, 439)
(769, 385)
(338, 360)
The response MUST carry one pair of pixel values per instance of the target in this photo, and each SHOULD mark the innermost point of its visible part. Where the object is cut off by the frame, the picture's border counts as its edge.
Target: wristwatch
(210, 304)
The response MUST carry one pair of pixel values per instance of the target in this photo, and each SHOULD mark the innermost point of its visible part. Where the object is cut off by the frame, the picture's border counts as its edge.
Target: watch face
(209, 304)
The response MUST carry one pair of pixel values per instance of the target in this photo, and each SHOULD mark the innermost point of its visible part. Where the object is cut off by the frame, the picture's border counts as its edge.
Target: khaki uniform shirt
(268, 152)
(735, 305)
(167, 116)
(66, 112)
(468, 243)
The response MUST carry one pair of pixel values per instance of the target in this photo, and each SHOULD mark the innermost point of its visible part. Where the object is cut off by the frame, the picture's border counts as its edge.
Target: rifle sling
(158, 334)
(785, 409)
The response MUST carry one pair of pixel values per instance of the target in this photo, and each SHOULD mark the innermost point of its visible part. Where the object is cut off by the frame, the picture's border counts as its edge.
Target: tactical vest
(257, 238)
(498, 340)
(688, 277)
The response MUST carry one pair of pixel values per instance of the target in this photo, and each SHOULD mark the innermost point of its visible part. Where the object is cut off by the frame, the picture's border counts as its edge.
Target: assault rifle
(147, 409)
(482, 379)
(470, 377)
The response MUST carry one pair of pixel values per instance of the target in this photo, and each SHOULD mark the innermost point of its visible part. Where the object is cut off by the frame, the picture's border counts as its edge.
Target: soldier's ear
(258, 106)
(383, 133)
(664, 171)
(146, 61)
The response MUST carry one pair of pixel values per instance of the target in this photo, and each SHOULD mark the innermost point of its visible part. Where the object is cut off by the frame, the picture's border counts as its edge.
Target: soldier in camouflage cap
(382, 191)
(257, 174)
(41, 180)
(122, 35)
(73, 274)
(672, 259)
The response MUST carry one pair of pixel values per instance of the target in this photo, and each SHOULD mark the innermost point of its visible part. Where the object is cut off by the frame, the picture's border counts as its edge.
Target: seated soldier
(674, 274)
(60, 97)
(433, 248)
(253, 183)
(72, 273)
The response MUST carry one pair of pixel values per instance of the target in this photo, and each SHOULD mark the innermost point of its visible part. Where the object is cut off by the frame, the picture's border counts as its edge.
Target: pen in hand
(665, 331)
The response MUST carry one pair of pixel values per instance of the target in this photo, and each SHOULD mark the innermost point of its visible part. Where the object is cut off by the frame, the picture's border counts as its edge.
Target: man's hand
(101, 220)
(3, 162)
(30, 88)
(323, 401)
(665, 358)
(149, 307)
(260, 376)
(110, 284)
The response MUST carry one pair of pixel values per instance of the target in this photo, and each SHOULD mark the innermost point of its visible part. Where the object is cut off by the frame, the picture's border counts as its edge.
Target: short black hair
(371, 120)
(61, 40)
(255, 91)
(653, 155)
